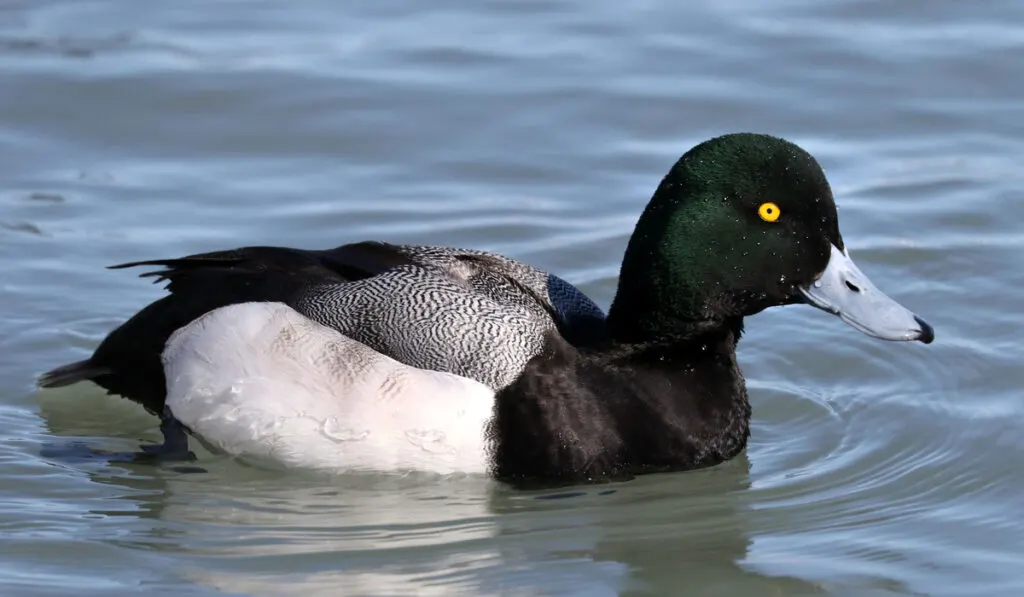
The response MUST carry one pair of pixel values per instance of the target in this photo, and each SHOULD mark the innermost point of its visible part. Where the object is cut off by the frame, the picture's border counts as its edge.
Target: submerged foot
(175, 446)
(174, 449)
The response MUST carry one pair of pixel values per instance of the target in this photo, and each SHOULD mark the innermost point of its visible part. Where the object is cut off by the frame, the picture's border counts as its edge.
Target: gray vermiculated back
(451, 312)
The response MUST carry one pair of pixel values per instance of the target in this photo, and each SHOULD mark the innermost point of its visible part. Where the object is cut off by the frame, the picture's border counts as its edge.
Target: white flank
(262, 382)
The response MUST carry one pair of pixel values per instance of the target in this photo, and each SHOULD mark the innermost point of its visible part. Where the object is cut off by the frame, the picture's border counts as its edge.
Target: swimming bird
(373, 356)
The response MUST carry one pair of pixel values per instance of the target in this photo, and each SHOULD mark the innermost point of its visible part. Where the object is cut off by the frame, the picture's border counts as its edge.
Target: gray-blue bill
(845, 291)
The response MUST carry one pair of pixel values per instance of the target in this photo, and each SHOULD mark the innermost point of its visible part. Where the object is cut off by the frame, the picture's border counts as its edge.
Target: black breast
(619, 410)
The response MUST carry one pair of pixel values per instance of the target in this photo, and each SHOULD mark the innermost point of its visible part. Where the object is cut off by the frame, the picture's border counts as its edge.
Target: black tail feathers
(72, 373)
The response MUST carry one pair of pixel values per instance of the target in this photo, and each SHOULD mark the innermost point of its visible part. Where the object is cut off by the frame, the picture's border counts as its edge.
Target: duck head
(741, 223)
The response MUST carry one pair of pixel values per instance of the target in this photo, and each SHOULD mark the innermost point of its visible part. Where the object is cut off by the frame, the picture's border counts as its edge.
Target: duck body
(466, 312)
(373, 356)
(264, 383)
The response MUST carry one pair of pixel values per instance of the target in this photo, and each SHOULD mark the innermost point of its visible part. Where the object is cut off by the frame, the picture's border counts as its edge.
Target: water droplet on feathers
(430, 440)
(334, 431)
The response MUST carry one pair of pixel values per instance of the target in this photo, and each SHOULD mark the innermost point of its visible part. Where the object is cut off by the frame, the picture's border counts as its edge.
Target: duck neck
(671, 283)
(681, 347)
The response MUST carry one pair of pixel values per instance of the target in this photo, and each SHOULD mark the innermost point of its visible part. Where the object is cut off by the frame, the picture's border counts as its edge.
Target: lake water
(133, 130)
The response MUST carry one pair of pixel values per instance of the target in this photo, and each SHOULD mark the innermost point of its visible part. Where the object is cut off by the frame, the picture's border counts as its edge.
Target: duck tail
(72, 373)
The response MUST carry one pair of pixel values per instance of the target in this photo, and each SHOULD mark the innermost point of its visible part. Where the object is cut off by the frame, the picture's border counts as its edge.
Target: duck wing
(514, 282)
(576, 317)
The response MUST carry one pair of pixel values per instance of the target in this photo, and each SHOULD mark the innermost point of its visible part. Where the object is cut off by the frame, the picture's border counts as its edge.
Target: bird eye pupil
(769, 211)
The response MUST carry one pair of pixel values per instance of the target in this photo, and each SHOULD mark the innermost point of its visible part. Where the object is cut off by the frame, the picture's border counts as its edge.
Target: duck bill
(844, 290)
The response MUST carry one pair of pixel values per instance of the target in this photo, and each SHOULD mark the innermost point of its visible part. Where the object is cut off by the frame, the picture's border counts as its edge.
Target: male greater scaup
(373, 356)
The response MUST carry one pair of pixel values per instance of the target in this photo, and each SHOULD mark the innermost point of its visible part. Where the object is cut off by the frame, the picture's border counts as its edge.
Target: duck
(380, 357)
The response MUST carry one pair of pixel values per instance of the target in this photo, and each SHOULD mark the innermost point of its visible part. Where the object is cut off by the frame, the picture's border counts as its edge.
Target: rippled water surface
(132, 130)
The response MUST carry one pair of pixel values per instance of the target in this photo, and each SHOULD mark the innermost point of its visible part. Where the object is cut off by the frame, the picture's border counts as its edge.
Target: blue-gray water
(133, 130)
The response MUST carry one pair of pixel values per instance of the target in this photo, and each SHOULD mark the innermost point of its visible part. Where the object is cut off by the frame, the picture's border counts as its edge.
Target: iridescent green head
(744, 222)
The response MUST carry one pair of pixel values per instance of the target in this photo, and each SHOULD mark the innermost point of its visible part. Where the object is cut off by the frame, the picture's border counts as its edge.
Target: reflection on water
(398, 536)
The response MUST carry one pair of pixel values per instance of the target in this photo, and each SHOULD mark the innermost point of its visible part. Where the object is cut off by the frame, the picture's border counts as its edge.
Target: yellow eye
(769, 212)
